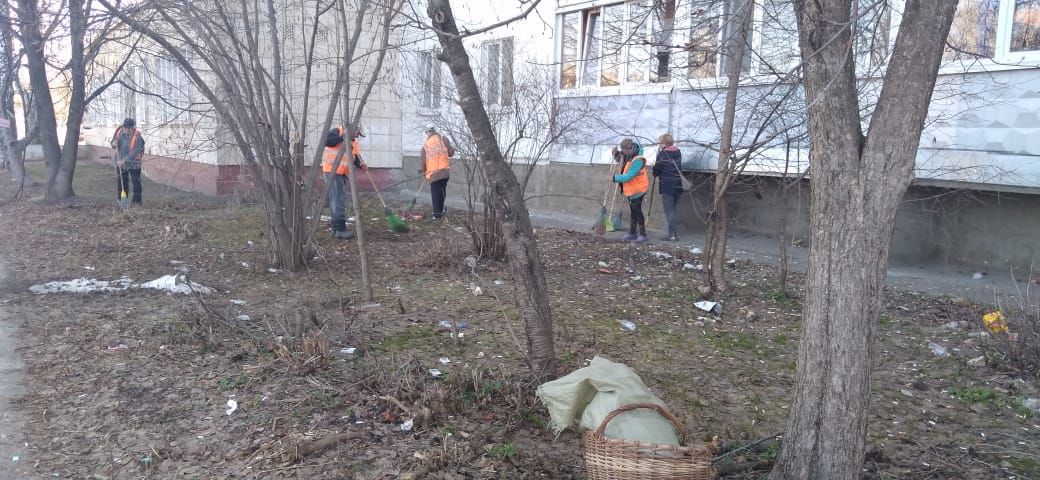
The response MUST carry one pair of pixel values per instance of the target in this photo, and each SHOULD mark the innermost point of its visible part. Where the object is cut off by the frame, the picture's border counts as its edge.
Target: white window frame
(1005, 23)
(504, 97)
(428, 64)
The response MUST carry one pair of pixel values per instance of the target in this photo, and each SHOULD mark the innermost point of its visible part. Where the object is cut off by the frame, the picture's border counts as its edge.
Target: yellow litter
(994, 322)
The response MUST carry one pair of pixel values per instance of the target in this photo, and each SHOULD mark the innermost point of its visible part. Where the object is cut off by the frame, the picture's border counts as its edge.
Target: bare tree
(87, 32)
(504, 191)
(264, 89)
(527, 120)
(858, 181)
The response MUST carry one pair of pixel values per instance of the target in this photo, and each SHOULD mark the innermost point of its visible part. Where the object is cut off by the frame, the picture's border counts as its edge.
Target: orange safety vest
(329, 157)
(639, 183)
(133, 139)
(436, 155)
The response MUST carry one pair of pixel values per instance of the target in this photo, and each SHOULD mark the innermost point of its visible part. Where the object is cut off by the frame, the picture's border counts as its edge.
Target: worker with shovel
(634, 184)
(338, 181)
(129, 145)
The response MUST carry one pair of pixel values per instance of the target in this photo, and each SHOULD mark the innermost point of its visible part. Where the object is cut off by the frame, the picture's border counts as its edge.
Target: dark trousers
(438, 191)
(637, 221)
(670, 200)
(124, 181)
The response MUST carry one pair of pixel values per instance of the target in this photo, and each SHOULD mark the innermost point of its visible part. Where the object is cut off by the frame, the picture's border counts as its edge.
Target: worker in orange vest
(338, 181)
(129, 145)
(436, 163)
(634, 184)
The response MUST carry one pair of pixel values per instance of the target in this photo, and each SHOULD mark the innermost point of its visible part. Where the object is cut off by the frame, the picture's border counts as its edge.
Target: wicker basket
(616, 459)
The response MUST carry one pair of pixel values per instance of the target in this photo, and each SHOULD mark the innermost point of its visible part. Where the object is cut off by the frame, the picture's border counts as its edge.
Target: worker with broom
(634, 184)
(338, 181)
(668, 170)
(129, 145)
(436, 163)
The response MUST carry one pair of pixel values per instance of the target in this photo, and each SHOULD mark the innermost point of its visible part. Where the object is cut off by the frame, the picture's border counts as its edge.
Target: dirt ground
(136, 384)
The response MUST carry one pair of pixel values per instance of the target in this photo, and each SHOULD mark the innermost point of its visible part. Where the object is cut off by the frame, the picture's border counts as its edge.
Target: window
(498, 71)
(777, 51)
(172, 90)
(703, 45)
(430, 79)
(570, 24)
(873, 25)
(620, 43)
(973, 33)
(1025, 26)
(140, 98)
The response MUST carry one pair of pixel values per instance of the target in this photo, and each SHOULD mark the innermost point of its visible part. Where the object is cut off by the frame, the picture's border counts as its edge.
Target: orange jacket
(639, 182)
(437, 157)
(329, 157)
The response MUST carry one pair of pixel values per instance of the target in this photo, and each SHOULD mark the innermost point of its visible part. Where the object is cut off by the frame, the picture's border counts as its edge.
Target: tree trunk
(62, 187)
(33, 42)
(504, 191)
(783, 270)
(857, 185)
(359, 228)
(718, 218)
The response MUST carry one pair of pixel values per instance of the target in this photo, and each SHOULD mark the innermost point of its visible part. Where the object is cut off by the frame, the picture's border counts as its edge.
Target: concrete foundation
(212, 179)
(980, 230)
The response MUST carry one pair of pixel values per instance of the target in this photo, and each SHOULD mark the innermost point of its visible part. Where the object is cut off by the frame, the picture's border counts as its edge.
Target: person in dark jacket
(129, 145)
(668, 170)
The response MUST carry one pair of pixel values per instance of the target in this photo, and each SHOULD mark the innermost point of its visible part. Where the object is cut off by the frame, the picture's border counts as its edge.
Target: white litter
(444, 360)
(243, 318)
(273, 270)
(696, 251)
(15, 458)
(661, 254)
(88, 268)
(238, 302)
(436, 373)
(689, 266)
(245, 265)
(176, 284)
(232, 405)
(603, 264)
(249, 242)
(706, 305)
(407, 426)
(348, 350)
(977, 276)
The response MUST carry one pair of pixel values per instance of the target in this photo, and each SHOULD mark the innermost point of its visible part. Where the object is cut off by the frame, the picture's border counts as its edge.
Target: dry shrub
(437, 253)
(300, 343)
(460, 390)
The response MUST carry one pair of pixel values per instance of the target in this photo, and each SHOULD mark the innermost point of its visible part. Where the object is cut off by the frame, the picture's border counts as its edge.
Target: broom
(123, 200)
(396, 224)
(615, 217)
(600, 227)
(650, 207)
(410, 209)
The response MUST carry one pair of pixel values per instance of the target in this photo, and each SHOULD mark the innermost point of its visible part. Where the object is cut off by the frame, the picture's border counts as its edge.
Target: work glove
(357, 161)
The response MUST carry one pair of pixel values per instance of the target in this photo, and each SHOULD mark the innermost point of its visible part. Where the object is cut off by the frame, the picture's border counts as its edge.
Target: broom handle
(650, 208)
(610, 178)
(373, 182)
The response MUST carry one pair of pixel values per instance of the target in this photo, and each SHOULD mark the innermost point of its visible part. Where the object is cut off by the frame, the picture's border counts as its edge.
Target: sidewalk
(12, 446)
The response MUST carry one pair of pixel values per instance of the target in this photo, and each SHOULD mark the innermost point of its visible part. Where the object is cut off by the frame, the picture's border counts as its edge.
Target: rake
(396, 224)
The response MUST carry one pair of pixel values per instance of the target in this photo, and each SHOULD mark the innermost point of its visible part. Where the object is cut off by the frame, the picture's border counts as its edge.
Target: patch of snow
(83, 285)
(170, 283)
